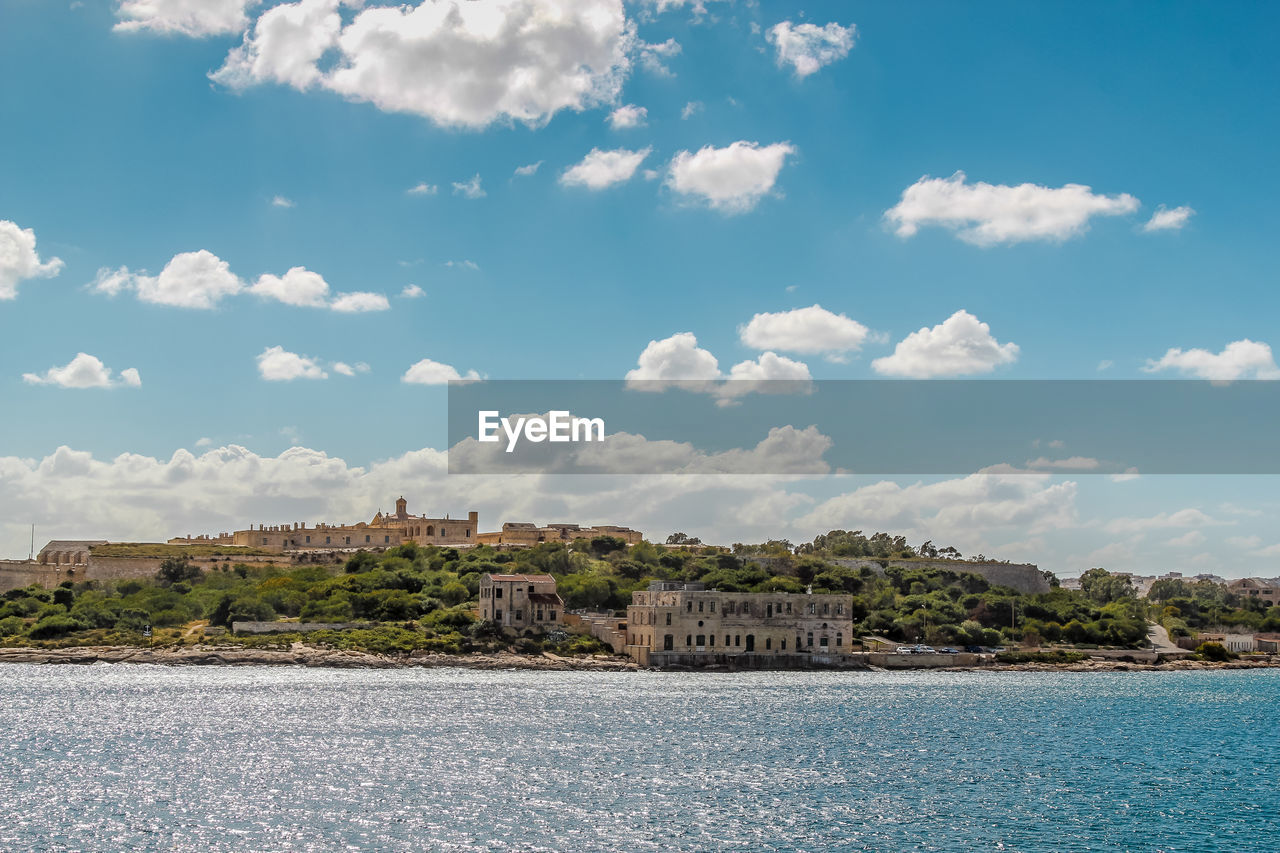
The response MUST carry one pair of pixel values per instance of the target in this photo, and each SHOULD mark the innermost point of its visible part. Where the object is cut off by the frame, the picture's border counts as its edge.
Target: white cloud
(19, 259)
(1246, 542)
(731, 179)
(469, 189)
(691, 109)
(1169, 220)
(459, 64)
(1128, 475)
(957, 510)
(299, 286)
(350, 369)
(961, 345)
(1070, 463)
(628, 116)
(276, 364)
(286, 43)
(204, 442)
(423, 189)
(600, 169)
(1190, 539)
(281, 201)
(360, 302)
(770, 366)
(677, 358)
(190, 280)
(1241, 359)
(195, 18)
(1189, 517)
(653, 57)
(84, 371)
(804, 330)
(528, 169)
(412, 291)
(987, 214)
(1105, 364)
(464, 265)
(428, 372)
(807, 47)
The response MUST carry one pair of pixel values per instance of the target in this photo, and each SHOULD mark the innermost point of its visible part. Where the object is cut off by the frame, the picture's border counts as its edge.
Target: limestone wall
(293, 627)
(15, 574)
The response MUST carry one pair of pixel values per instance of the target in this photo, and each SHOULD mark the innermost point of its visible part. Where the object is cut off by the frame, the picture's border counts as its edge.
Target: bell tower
(402, 508)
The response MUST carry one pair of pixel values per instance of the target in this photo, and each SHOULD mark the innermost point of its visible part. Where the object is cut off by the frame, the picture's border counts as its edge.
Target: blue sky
(121, 151)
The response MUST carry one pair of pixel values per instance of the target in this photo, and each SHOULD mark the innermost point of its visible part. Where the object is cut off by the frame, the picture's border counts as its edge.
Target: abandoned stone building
(672, 618)
(527, 533)
(520, 602)
(382, 531)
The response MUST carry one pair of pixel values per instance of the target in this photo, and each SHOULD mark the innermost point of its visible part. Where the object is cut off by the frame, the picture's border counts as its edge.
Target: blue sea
(142, 758)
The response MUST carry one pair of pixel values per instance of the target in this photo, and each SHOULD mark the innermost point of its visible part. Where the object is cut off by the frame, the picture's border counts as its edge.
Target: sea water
(130, 757)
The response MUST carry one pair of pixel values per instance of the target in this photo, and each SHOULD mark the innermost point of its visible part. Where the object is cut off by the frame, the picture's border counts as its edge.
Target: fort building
(672, 619)
(382, 531)
(520, 602)
(528, 534)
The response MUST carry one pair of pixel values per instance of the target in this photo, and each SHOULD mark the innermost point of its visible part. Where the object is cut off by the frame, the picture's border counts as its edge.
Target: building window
(726, 640)
(839, 609)
(746, 609)
(668, 618)
(712, 637)
(702, 640)
(768, 643)
(788, 612)
(386, 540)
(466, 532)
(308, 540)
(689, 606)
(784, 644)
(768, 611)
(539, 616)
(813, 608)
(826, 608)
(810, 639)
(551, 615)
(699, 606)
(688, 640)
(264, 540)
(326, 540)
(348, 540)
(520, 614)
(798, 642)
(668, 643)
(823, 641)
(531, 589)
(497, 593)
(839, 639)
(737, 639)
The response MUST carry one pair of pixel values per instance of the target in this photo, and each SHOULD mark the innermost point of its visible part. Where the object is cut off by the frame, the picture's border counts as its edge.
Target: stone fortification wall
(15, 574)
(293, 627)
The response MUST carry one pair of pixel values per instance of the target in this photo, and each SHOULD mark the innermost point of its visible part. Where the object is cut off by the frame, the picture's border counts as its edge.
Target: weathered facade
(382, 531)
(521, 602)
(672, 619)
(525, 533)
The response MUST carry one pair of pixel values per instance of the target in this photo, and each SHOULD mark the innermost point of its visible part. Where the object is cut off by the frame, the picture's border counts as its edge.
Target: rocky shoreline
(299, 654)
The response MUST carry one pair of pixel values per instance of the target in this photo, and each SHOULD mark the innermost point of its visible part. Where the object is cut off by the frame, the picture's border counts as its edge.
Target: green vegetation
(1186, 608)
(1054, 656)
(416, 598)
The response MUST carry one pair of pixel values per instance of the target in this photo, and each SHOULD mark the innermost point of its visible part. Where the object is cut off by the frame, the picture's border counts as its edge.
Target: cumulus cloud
(350, 369)
(459, 64)
(528, 169)
(628, 116)
(463, 264)
(731, 179)
(190, 280)
(692, 108)
(276, 364)
(677, 358)
(412, 291)
(1190, 539)
(360, 303)
(987, 214)
(423, 189)
(1243, 359)
(804, 330)
(1169, 220)
(428, 372)
(1070, 463)
(469, 189)
(195, 18)
(961, 345)
(281, 201)
(653, 57)
(601, 169)
(299, 286)
(1189, 517)
(959, 510)
(84, 371)
(19, 260)
(807, 47)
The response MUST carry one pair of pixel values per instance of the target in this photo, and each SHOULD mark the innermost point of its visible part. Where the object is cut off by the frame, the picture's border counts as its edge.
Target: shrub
(54, 626)
(1213, 651)
(11, 625)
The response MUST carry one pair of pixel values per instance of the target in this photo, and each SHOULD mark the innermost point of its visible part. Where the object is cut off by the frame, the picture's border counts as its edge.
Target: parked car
(977, 650)
(950, 651)
(905, 650)
(925, 650)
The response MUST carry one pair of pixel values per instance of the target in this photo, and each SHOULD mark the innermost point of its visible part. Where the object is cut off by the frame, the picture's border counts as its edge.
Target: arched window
(431, 530)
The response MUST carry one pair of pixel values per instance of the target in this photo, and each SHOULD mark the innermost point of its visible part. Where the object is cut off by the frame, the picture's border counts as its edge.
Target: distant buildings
(1259, 588)
(527, 534)
(382, 531)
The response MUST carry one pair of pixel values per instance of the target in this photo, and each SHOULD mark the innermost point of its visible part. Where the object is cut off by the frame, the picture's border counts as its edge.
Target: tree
(682, 539)
(177, 570)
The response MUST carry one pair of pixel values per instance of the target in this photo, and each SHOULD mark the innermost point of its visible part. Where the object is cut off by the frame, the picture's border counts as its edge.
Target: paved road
(1159, 638)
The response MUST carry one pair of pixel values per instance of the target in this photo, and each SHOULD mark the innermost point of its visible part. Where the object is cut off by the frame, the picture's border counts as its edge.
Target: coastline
(309, 656)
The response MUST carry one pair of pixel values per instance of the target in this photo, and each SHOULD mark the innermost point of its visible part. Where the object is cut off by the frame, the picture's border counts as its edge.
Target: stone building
(382, 531)
(1264, 590)
(67, 552)
(520, 602)
(528, 534)
(687, 619)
